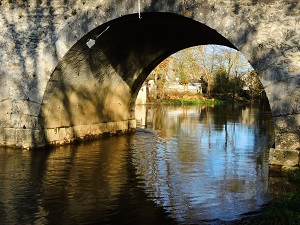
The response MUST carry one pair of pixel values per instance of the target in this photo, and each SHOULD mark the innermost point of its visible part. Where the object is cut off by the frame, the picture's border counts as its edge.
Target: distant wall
(141, 98)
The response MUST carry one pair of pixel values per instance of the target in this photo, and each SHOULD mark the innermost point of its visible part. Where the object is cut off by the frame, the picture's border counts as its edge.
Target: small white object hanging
(139, 5)
(90, 43)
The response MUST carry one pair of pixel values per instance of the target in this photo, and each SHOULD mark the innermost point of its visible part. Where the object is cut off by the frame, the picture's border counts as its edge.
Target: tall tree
(202, 63)
(208, 59)
(256, 89)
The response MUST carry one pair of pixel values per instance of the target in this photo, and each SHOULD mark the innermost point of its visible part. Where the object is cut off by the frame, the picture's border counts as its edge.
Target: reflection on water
(210, 163)
(190, 165)
(92, 183)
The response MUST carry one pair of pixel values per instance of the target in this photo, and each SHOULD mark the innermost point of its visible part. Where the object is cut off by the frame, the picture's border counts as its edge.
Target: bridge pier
(286, 153)
(284, 98)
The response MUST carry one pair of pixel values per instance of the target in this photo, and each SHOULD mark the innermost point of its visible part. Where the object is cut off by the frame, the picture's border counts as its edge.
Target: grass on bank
(283, 211)
(200, 102)
(188, 98)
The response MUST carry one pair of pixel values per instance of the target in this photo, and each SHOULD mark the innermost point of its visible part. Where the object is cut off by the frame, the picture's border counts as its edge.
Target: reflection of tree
(168, 121)
(212, 150)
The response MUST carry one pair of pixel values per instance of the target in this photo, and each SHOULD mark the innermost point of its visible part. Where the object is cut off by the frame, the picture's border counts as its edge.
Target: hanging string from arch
(139, 6)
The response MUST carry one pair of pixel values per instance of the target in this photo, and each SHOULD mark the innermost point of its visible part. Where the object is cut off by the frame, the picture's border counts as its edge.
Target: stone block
(61, 47)
(51, 134)
(97, 129)
(59, 136)
(35, 95)
(289, 158)
(269, 77)
(4, 119)
(288, 105)
(287, 140)
(23, 121)
(29, 138)
(114, 127)
(281, 107)
(132, 124)
(288, 123)
(26, 107)
(6, 106)
(8, 136)
(81, 131)
(49, 57)
(66, 133)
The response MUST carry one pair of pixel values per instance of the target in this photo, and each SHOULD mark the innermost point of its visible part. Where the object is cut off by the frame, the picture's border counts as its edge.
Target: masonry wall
(36, 35)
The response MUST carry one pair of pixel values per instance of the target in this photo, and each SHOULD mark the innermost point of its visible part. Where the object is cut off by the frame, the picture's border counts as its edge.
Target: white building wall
(142, 96)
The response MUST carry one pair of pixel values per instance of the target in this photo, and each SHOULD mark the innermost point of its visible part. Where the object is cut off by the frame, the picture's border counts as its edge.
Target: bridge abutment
(32, 138)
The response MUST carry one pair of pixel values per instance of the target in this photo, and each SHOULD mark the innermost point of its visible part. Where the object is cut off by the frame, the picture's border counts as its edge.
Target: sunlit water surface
(188, 165)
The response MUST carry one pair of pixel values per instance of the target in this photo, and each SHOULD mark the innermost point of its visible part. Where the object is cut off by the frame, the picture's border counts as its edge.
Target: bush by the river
(282, 211)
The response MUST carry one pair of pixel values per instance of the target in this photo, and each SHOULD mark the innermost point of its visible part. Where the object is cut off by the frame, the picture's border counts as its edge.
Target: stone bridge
(71, 69)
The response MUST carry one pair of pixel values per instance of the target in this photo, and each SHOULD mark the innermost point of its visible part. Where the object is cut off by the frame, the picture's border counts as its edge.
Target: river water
(185, 165)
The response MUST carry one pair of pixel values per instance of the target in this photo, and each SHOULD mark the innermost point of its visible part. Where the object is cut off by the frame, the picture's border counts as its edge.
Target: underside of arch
(93, 89)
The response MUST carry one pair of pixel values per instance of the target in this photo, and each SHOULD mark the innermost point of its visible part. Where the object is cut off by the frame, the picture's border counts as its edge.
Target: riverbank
(282, 211)
(188, 99)
(200, 102)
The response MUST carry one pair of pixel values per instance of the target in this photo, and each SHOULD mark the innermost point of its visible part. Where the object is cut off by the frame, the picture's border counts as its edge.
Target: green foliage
(221, 81)
(294, 177)
(256, 90)
(200, 102)
(223, 73)
(283, 211)
(183, 79)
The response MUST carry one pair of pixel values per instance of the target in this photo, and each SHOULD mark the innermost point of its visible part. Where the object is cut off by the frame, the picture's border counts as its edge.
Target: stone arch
(96, 85)
(94, 88)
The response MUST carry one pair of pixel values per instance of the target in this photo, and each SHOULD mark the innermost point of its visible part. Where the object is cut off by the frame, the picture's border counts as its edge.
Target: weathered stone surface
(132, 124)
(287, 134)
(284, 157)
(64, 135)
(287, 140)
(50, 79)
(29, 138)
(8, 136)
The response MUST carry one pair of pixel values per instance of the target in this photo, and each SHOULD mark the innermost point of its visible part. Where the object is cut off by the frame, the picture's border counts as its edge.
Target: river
(184, 165)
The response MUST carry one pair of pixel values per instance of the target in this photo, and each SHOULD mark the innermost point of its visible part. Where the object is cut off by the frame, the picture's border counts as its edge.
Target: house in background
(141, 99)
(142, 95)
(191, 87)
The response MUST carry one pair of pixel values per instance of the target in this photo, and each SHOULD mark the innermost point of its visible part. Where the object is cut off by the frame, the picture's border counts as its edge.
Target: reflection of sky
(206, 171)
